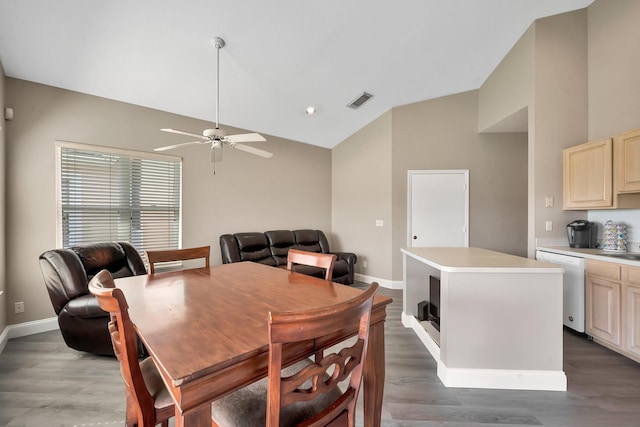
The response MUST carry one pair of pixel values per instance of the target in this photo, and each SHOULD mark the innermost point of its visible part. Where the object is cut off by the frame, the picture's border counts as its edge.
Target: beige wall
(546, 74)
(443, 134)
(435, 134)
(509, 88)
(560, 116)
(3, 269)
(361, 194)
(248, 193)
(614, 67)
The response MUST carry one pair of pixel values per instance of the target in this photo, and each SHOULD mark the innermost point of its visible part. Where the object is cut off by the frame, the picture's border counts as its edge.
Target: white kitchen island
(500, 317)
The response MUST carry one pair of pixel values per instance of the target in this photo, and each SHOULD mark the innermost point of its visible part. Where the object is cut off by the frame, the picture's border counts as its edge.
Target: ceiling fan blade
(181, 132)
(252, 150)
(169, 147)
(245, 137)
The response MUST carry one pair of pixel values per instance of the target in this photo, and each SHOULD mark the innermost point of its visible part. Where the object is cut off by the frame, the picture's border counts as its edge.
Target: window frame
(131, 155)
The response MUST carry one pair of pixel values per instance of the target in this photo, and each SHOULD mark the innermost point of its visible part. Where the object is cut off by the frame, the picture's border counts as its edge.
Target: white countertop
(470, 260)
(597, 254)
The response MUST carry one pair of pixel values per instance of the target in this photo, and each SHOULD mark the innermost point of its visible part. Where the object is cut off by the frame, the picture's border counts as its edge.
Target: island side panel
(416, 286)
(507, 321)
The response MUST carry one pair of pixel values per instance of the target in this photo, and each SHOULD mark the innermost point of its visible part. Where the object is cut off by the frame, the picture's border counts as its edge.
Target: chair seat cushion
(155, 385)
(247, 407)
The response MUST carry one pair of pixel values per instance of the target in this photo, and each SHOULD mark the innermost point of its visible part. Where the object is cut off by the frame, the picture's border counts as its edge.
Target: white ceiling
(280, 57)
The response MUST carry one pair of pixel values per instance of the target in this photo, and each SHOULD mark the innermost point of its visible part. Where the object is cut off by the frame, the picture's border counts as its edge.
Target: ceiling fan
(218, 137)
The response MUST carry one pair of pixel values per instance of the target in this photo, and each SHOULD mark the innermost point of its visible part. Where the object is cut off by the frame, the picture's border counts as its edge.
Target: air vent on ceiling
(361, 99)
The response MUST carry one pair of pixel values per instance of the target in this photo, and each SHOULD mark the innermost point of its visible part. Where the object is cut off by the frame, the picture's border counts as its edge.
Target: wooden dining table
(206, 330)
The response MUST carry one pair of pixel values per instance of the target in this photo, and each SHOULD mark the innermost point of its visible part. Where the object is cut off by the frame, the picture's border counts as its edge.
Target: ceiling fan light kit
(218, 137)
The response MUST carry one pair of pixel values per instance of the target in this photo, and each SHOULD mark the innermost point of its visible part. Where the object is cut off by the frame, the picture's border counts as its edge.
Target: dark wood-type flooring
(44, 383)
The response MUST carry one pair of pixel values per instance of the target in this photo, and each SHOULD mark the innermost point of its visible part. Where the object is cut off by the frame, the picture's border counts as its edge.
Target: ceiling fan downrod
(219, 44)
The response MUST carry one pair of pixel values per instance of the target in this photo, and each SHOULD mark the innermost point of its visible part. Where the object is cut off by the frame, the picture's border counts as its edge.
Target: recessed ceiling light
(311, 110)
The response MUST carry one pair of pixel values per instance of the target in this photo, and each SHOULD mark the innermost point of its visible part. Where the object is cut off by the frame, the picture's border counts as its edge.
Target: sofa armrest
(134, 261)
(350, 257)
(229, 249)
(64, 276)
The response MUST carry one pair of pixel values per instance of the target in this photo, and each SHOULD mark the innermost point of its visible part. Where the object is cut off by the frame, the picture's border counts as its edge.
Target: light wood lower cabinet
(633, 319)
(613, 306)
(603, 309)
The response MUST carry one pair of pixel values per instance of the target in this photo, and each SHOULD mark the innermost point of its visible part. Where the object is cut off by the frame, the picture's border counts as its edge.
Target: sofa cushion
(280, 241)
(308, 240)
(254, 247)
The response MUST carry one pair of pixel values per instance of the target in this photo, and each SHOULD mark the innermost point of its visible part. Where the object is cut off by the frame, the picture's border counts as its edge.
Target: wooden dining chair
(170, 255)
(306, 393)
(313, 259)
(148, 400)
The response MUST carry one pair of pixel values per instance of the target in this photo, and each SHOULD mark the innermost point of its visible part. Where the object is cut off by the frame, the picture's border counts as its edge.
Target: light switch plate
(379, 223)
(548, 203)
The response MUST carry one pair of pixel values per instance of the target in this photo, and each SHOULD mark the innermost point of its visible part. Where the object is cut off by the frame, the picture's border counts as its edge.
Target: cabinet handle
(415, 237)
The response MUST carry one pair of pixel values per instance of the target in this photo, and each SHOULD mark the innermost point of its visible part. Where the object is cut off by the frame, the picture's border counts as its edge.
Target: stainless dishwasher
(573, 287)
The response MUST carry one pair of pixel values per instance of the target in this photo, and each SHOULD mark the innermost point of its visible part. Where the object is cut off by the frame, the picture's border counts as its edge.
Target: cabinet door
(627, 161)
(588, 175)
(633, 319)
(603, 309)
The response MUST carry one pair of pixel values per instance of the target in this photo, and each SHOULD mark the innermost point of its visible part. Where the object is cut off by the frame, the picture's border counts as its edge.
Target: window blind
(109, 195)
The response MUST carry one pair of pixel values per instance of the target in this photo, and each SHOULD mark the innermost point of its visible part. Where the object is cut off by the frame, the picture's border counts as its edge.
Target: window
(106, 194)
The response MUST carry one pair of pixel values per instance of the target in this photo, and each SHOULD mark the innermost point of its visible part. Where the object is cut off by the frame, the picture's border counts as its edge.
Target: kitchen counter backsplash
(629, 217)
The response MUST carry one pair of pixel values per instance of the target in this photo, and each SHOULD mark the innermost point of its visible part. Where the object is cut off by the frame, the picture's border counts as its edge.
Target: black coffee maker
(581, 234)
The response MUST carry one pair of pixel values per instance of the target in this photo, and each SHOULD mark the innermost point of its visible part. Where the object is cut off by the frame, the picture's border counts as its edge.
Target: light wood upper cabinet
(588, 175)
(627, 161)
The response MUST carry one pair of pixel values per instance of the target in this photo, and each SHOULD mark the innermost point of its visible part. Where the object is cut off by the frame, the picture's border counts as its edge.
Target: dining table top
(199, 321)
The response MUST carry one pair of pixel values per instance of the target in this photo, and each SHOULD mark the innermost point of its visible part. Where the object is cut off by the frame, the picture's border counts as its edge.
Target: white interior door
(438, 208)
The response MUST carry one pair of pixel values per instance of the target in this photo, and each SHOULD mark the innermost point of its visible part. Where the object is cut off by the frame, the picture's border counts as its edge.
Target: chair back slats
(171, 255)
(313, 259)
(327, 371)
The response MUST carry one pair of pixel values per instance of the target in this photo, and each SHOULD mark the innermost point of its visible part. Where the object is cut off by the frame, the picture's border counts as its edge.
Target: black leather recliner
(67, 272)
(271, 248)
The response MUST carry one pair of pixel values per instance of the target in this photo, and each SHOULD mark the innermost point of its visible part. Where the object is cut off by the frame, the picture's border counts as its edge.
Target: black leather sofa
(271, 248)
(66, 272)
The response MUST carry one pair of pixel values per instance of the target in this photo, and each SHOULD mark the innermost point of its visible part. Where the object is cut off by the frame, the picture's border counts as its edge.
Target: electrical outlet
(19, 307)
(364, 264)
(548, 226)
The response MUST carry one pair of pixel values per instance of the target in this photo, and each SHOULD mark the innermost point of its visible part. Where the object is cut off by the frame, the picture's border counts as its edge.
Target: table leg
(374, 376)
(196, 417)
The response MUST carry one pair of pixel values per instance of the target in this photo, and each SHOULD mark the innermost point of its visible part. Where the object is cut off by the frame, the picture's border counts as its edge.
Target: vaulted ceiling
(280, 56)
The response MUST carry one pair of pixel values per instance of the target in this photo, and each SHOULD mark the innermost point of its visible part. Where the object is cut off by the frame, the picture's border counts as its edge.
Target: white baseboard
(503, 379)
(27, 328)
(385, 283)
(509, 379)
